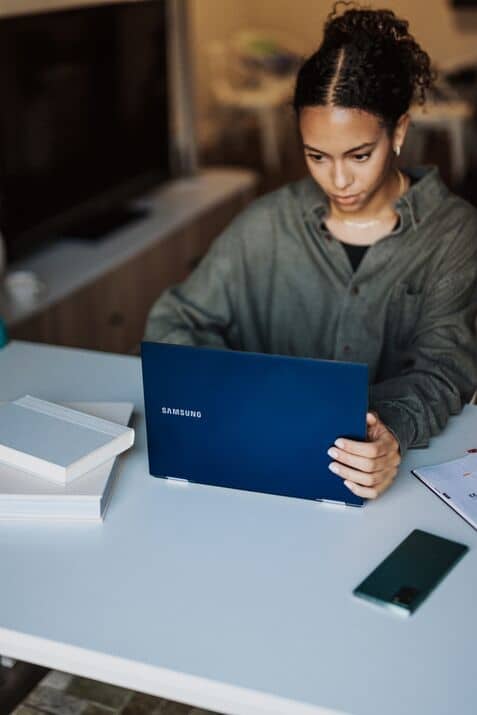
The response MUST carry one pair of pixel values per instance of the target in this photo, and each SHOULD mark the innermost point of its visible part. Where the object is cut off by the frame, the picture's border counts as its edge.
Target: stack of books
(58, 461)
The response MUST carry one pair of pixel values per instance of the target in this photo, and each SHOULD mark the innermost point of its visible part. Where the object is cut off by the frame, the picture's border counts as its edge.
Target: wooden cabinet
(110, 313)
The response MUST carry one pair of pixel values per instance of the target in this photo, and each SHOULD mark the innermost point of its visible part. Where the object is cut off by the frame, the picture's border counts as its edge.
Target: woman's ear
(400, 131)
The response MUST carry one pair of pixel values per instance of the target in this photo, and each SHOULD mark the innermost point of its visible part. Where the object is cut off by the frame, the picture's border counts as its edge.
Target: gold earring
(397, 150)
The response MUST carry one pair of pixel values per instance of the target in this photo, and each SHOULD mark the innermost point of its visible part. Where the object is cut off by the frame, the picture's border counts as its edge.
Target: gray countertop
(70, 264)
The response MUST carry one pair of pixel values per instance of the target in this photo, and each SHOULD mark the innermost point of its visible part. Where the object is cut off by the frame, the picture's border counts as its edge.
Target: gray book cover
(56, 442)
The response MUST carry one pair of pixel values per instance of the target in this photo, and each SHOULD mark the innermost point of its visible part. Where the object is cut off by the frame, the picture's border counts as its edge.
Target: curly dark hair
(367, 60)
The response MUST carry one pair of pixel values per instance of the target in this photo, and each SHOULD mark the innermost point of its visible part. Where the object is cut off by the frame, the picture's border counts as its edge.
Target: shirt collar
(424, 196)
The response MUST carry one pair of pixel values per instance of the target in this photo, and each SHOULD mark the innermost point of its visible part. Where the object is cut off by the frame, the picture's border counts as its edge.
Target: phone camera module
(405, 596)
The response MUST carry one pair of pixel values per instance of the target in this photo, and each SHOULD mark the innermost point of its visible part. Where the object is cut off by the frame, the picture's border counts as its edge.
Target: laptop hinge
(177, 479)
(332, 501)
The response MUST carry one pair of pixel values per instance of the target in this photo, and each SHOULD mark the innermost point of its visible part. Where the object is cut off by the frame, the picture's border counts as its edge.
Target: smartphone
(408, 575)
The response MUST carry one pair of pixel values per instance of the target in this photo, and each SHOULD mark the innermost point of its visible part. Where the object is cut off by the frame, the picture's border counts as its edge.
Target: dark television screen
(83, 118)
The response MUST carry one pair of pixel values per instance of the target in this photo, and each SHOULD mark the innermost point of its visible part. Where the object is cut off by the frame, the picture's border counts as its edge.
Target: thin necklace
(364, 224)
(367, 224)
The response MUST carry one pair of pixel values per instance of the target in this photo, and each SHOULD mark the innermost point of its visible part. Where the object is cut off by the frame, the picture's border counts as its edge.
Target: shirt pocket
(403, 314)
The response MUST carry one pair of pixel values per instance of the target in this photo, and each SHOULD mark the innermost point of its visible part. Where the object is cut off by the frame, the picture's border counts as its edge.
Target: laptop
(251, 421)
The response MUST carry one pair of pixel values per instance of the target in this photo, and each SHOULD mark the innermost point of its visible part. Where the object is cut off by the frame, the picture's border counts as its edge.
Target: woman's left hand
(368, 468)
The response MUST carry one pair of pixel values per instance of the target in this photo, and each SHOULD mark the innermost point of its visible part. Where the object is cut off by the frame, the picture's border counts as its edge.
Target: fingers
(370, 492)
(370, 450)
(364, 464)
(366, 476)
(359, 478)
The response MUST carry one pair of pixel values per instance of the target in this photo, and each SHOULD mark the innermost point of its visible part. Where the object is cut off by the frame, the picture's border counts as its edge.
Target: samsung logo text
(182, 413)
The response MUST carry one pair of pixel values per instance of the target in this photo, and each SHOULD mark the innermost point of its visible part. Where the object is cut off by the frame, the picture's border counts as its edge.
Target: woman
(359, 261)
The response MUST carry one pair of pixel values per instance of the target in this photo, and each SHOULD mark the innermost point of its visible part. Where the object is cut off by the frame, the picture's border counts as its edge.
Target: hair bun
(379, 35)
(367, 60)
(359, 24)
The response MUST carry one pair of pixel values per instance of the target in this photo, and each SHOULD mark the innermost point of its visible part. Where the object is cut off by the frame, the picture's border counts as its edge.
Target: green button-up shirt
(276, 281)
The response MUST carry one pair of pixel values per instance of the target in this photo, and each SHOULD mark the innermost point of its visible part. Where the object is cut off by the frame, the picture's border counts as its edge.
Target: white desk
(233, 601)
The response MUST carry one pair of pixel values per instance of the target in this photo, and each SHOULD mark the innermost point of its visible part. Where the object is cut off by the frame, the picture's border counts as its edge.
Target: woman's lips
(346, 199)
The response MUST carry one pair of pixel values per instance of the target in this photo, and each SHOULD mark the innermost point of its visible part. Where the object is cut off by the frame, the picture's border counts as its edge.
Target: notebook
(251, 421)
(56, 442)
(455, 482)
(25, 496)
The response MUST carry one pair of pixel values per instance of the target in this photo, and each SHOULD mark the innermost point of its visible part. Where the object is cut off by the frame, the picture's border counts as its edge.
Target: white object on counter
(23, 287)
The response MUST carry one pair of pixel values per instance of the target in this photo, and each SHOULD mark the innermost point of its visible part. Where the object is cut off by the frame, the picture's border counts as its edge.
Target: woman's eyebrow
(350, 151)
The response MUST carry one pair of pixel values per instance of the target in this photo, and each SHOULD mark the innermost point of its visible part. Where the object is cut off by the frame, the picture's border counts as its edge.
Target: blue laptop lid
(251, 421)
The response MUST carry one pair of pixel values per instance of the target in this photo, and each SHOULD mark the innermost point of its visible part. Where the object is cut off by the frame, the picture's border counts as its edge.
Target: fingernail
(339, 443)
(348, 484)
(333, 468)
(332, 452)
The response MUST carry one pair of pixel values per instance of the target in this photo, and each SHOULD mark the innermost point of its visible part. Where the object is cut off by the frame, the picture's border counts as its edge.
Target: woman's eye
(316, 157)
(361, 157)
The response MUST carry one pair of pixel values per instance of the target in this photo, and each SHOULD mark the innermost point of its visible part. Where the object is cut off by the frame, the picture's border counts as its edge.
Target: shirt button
(355, 290)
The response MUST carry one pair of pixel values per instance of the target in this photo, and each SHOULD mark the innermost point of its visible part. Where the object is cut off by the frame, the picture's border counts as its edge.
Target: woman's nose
(341, 178)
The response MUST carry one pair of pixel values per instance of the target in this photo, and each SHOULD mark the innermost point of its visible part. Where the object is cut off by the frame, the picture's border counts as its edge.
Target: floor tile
(54, 702)
(56, 679)
(64, 694)
(168, 707)
(142, 704)
(94, 709)
(96, 692)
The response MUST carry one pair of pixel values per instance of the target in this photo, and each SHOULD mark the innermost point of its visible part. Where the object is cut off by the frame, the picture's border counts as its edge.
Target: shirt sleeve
(439, 372)
(200, 311)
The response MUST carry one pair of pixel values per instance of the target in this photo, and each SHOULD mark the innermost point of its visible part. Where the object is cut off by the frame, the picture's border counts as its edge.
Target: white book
(24, 496)
(455, 482)
(56, 442)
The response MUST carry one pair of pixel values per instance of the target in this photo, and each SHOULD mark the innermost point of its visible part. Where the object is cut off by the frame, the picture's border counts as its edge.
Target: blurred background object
(84, 98)
(454, 118)
(253, 74)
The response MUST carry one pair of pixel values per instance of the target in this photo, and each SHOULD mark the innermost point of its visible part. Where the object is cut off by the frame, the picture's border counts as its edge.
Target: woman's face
(348, 153)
